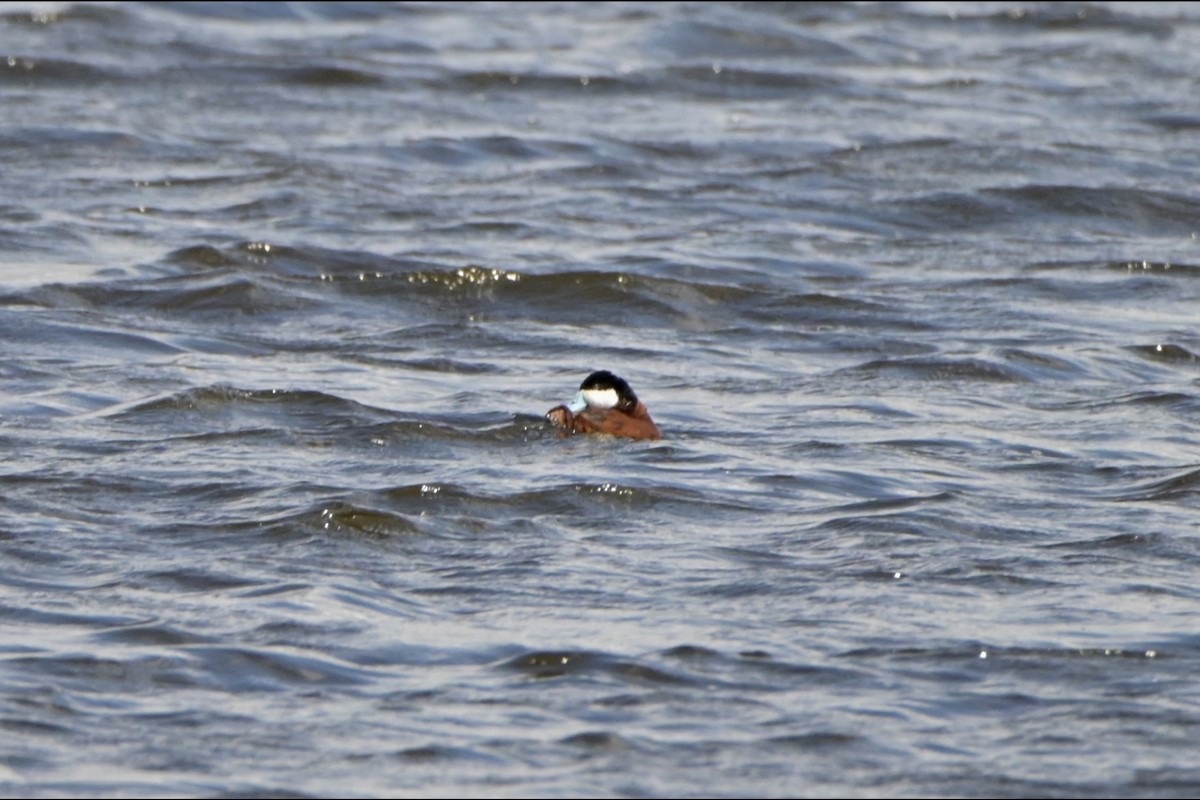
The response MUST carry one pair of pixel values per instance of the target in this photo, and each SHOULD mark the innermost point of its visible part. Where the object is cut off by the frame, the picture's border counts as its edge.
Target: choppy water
(911, 290)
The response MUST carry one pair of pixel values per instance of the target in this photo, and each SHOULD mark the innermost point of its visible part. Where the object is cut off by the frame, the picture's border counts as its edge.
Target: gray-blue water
(911, 289)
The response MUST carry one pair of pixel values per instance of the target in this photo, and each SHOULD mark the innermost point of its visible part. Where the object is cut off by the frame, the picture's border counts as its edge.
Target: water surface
(911, 289)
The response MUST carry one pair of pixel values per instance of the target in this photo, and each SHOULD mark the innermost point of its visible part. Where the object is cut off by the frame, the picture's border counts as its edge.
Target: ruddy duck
(605, 404)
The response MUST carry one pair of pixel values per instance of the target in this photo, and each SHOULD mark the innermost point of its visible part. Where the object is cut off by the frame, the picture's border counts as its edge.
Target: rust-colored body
(611, 421)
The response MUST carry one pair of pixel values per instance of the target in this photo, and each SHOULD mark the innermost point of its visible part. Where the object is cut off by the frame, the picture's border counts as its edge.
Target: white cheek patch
(600, 398)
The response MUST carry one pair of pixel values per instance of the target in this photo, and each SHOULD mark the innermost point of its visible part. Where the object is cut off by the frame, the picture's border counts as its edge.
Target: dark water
(912, 291)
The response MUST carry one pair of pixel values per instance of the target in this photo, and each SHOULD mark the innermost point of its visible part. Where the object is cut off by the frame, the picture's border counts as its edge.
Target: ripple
(1175, 488)
(360, 520)
(50, 71)
(220, 408)
(1168, 353)
(438, 754)
(149, 634)
(599, 741)
(244, 669)
(942, 369)
(546, 664)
